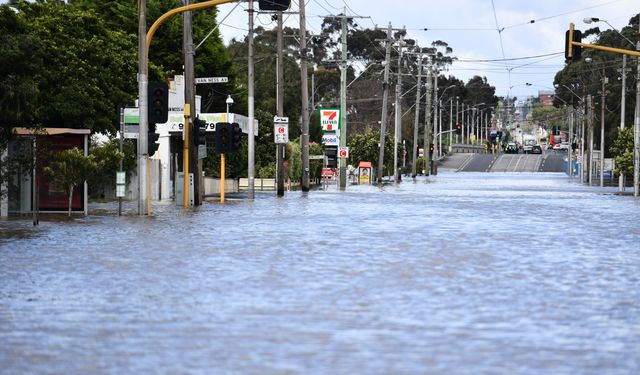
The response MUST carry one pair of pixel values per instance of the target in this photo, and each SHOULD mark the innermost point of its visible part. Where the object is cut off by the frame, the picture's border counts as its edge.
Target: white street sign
(330, 119)
(343, 152)
(212, 80)
(120, 178)
(281, 120)
(120, 191)
(281, 133)
(330, 140)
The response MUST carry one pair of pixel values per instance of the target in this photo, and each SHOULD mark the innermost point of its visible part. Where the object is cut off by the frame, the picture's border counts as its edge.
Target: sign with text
(212, 80)
(280, 129)
(343, 152)
(330, 139)
(330, 119)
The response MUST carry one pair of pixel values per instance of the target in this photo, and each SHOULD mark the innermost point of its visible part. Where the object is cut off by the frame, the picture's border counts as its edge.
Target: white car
(564, 146)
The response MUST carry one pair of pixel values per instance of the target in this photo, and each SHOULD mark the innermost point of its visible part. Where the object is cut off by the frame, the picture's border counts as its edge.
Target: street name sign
(212, 80)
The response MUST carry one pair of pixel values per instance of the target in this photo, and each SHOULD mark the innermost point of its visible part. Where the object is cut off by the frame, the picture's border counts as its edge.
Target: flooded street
(456, 274)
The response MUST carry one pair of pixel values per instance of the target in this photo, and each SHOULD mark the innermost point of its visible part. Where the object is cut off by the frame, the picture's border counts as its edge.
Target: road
(549, 161)
(460, 273)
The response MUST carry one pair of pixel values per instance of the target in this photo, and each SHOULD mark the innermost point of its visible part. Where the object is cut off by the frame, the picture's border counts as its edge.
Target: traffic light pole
(185, 157)
(343, 102)
(143, 125)
(190, 98)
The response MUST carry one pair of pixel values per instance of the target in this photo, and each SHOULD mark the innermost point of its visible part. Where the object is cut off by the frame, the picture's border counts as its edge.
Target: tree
(364, 147)
(69, 169)
(107, 157)
(622, 151)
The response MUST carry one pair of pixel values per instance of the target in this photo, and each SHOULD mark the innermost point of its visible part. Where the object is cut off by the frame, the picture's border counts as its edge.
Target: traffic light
(152, 138)
(158, 102)
(275, 5)
(331, 152)
(223, 138)
(458, 129)
(236, 137)
(199, 131)
(571, 51)
(430, 150)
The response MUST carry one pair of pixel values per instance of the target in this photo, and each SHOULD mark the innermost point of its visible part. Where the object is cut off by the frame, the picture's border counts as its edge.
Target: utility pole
(636, 128)
(251, 108)
(385, 102)
(280, 107)
(457, 112)
(450, 123)
(398, 116)
(343, 101)
(305, 99)
(570, 149)
(622, 111)
(417, 118)
(602, 111)
(590, 124)
(143, 125)
(436, 149)
(582, 158)
(427, 126)
(190, 98)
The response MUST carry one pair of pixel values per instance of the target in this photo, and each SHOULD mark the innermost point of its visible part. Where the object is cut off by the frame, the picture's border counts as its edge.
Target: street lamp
(229, 103)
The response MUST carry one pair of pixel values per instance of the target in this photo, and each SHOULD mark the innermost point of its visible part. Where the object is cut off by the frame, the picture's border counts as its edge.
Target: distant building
(546, 97)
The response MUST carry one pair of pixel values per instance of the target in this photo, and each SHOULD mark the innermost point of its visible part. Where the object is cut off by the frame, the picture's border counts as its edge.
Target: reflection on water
(470, 273)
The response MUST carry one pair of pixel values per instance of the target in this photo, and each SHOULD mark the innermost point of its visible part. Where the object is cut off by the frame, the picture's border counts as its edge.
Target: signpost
(281, 129)
(330, 139)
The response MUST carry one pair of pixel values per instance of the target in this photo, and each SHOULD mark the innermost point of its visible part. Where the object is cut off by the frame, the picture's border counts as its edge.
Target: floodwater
(455, 274)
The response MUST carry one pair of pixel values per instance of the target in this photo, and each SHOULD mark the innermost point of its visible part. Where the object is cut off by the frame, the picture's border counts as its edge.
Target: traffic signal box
(274, 5)
(223, 138)
(236, 137)
(199, 132)
(331, 152)
(571, 51)
(152, 138)
(158, 102)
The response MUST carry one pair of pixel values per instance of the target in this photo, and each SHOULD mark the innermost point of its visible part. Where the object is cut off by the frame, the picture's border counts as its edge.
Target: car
(564, 146)
(511, 148)
(556, 146)
(536, 149)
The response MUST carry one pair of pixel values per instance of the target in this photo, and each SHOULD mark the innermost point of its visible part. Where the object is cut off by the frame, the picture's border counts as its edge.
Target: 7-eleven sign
(330, 119)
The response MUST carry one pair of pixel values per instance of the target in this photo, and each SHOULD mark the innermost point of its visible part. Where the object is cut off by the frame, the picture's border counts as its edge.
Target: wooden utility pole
(305, 99)
(385, 102)
(280, 107)
(143, 125)
(190, 98)
(417, 118)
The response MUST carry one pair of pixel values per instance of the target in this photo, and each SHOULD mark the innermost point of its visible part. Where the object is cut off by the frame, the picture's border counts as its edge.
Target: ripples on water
(468, 274)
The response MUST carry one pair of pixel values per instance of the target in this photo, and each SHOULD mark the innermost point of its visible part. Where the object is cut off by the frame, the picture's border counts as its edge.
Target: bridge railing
(468, 149)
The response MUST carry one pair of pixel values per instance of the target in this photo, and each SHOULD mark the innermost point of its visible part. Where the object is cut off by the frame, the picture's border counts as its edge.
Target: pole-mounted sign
(281, 129)
(330, 119)
(343, 152)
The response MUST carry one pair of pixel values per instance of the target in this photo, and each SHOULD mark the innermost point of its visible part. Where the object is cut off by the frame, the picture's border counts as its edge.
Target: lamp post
(229, 102)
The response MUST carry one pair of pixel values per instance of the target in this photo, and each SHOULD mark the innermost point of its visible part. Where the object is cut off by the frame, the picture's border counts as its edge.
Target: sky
(470, 27)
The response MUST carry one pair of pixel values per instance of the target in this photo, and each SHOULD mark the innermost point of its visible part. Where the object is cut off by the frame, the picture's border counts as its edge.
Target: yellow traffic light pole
(173, 12)
(152, 30)
(595, 46)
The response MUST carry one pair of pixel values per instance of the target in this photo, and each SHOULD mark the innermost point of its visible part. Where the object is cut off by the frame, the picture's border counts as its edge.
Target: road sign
(343, 152)
(280, 129)
(316, 157)
(330, 119)
(212, 80)
(330, 140)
